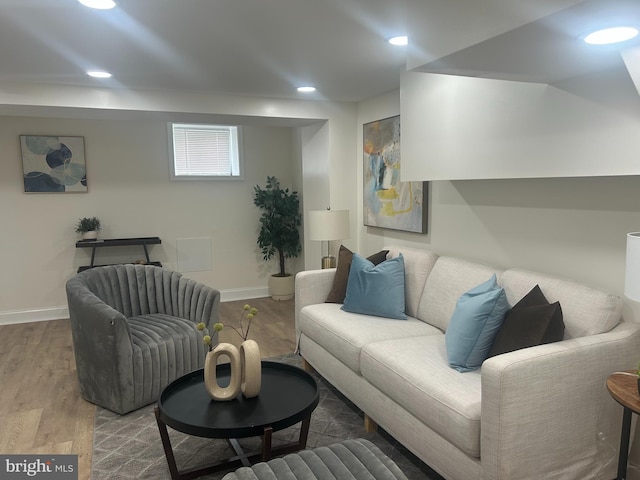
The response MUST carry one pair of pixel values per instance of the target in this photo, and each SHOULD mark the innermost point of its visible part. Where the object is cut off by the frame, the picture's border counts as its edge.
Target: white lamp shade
(632, 267)
(325, 225)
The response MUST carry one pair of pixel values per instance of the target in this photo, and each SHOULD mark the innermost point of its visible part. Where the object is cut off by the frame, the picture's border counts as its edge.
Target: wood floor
(41, 410)
(273, 328)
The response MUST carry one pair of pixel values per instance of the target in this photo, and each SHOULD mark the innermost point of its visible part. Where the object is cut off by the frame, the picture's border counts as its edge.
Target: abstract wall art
(53, 164)
(388, 202)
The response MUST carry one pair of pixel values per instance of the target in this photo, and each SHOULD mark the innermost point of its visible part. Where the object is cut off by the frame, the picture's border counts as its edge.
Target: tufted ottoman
(357, 459)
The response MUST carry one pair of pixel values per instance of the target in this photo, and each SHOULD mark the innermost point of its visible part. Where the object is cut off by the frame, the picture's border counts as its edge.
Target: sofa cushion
(532, 321)
(474, 325)
(339, 287)
(448, 280)
(343, 334)
(376, 289)
(414, 373)
(417, 266)
(585, 310)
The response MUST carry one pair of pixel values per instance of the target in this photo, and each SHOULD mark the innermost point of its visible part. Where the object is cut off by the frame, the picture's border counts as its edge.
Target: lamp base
(328, 262)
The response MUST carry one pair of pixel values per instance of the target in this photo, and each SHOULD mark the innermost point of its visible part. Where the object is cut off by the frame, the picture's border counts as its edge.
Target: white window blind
(201, 150)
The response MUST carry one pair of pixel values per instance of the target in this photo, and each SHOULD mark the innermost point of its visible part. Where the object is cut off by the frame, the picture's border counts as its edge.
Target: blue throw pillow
(376, 289)
(474, 325)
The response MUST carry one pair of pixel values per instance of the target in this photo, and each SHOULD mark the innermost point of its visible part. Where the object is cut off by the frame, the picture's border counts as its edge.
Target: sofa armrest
(312, 286)
(546, 412)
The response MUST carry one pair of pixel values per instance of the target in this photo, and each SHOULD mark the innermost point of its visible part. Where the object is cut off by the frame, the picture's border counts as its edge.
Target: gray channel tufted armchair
(133, 329)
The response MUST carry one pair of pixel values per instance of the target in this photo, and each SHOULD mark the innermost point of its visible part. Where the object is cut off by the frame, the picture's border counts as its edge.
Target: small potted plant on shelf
(279, 232)
(88, 227)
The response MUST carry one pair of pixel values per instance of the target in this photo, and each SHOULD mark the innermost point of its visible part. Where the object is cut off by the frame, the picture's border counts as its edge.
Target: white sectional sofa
(536, 413)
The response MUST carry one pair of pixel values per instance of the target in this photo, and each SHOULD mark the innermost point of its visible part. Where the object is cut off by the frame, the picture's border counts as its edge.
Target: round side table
(623, 387)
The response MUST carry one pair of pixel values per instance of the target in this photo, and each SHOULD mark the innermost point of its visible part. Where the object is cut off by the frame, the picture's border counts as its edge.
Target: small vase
(210, 373)
(251, 368)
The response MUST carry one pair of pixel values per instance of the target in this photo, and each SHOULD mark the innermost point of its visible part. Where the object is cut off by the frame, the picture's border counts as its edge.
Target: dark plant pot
(638, 385)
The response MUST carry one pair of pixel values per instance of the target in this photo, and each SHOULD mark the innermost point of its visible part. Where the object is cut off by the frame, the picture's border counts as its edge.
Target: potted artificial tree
(279, 232)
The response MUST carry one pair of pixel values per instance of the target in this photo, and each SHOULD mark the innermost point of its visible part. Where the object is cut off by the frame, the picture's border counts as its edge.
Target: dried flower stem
(247, 315)
(243, 330)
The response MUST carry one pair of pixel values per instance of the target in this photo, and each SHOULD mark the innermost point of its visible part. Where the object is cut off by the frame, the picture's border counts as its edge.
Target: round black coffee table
(288, 395)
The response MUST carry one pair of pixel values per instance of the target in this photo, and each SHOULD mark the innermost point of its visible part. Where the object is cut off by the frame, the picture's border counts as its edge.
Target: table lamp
(327, 225)
(632, 267)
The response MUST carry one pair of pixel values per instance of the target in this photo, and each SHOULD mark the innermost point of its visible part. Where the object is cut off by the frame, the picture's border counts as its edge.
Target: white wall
(316, 174)
(129, 188)
(573, 227)
(330, 178)
(458, 128)
(130, 191)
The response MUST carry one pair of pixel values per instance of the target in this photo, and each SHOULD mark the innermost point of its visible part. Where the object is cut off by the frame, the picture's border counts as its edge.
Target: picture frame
(53, 164)
(388, 202)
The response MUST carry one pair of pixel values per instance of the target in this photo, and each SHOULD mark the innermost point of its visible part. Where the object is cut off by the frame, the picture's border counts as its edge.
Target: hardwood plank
(21, 334)
(64, 448)
(273, 328)
(19, 431)
(83, 436)
(10, 363)
(370, 425)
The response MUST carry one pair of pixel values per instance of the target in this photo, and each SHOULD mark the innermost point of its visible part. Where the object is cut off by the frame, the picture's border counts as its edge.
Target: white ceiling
(548, 50)
(267, 47)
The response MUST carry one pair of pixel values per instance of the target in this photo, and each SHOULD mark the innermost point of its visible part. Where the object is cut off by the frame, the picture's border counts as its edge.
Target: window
(201, 151)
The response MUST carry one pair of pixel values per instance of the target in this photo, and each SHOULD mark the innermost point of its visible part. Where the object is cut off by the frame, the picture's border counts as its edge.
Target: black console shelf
(117, 242)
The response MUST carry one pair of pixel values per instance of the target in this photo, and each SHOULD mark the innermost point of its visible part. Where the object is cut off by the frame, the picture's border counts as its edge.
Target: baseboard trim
(39, 315)
(58, 313)
(243, 293)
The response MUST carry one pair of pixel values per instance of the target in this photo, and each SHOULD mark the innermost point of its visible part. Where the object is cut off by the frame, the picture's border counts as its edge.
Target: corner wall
(130, 191)
(129, 188)
(572, 227)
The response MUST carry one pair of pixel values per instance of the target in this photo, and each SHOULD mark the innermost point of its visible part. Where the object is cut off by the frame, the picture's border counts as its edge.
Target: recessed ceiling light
(607, 36)
(99, 4)
(399, 41)
(307, 89)
(98, 74)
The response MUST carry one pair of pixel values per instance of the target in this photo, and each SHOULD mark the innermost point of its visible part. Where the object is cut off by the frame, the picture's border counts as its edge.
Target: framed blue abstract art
(53, 164)
(388, 202)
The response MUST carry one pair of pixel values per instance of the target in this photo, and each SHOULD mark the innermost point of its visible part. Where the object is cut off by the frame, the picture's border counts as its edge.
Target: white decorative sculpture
(245, 371)
(210, 372)
(251, 368)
